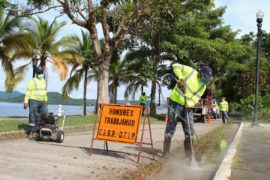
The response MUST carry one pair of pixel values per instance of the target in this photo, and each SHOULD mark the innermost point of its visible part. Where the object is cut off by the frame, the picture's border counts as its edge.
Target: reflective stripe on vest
(189, 97)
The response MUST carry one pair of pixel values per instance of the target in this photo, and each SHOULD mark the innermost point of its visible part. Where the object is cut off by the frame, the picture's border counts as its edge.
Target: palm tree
(12, 41)
(45, 45)
(137, 79)
(82, 59)
(117, 74)
(144, 68)
(38, 40)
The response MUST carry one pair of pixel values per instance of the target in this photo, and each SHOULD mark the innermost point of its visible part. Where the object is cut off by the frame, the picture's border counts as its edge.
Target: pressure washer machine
(48, 128)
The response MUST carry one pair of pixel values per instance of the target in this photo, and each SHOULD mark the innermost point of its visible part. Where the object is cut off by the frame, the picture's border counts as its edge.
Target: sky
(240, 15)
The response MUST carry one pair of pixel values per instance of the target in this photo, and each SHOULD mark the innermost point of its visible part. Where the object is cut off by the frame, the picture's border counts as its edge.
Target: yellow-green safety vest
(194, 87)
(223, 105)
(36, 90)
(143, 99)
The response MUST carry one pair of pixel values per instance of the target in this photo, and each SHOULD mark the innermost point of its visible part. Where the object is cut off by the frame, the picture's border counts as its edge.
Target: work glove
(25, 105)
(181, 86)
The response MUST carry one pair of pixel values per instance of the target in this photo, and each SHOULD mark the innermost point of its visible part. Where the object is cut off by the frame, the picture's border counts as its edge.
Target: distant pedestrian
(143, 98)
(224, 108)
(36, 99)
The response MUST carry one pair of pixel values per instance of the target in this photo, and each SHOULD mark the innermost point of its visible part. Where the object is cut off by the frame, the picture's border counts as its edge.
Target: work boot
(166, 146)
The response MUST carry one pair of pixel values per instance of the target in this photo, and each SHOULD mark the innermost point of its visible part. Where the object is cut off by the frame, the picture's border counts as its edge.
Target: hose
(192, 129)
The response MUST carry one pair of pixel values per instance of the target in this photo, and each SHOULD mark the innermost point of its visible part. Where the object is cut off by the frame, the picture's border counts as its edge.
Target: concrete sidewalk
(248, 156)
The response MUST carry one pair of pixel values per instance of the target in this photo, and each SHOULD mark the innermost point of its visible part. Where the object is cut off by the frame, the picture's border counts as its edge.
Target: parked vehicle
(205, 108)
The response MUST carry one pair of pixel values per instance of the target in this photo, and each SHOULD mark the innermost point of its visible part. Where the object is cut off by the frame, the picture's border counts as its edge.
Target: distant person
(143, 98)
(224, 108)
(188, 85)
(36, 99)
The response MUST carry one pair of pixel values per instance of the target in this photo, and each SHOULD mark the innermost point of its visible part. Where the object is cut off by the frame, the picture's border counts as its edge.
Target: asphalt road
(25, 159)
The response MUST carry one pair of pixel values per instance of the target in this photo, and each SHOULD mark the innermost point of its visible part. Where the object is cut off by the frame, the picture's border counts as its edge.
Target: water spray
(193, 164)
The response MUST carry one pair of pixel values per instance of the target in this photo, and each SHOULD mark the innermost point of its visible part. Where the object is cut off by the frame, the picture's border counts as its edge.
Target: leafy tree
(156, 27)
(200, 37)
(242, 76)
(116, 18)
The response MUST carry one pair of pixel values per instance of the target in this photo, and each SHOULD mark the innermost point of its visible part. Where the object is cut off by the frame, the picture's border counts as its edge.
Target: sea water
(16, 109)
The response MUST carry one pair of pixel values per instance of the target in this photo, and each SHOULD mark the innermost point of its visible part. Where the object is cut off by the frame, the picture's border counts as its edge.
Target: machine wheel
(60, 136)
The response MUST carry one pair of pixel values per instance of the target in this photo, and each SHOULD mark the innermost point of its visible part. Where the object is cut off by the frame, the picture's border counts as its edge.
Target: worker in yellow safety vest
(224, 108)
(36, 98)
(187, 90)
(143, 98)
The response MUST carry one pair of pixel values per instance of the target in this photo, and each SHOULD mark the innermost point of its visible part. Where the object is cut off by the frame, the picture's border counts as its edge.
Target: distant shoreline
(16, 110)
(48, 104)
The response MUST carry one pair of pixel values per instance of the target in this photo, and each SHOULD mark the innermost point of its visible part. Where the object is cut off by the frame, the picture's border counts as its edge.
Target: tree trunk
(96, 104)
(103, 80)
(84, 92)
(115, 95)
(155, 67)
(153, 98)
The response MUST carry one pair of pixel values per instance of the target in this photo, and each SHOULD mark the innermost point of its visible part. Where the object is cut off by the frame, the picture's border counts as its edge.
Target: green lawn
(16, 124)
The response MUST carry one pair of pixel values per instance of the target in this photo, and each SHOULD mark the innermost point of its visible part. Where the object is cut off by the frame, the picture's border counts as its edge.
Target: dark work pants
(35, 107)
(177, 113)
(224, 117)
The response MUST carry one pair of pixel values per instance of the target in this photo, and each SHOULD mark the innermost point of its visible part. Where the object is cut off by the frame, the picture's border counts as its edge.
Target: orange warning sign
(119, 123)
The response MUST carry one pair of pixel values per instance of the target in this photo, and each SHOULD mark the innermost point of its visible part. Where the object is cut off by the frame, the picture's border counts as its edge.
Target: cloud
(241, 14)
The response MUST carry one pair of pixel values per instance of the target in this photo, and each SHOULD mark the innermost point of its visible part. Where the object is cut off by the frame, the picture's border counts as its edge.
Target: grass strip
(18, 124)
(207, 146)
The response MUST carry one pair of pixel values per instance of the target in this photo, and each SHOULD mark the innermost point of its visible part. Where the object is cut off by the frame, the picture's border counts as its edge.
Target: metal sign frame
(136, 143)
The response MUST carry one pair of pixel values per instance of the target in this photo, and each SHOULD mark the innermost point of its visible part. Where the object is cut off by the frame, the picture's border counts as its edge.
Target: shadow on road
(103, 152)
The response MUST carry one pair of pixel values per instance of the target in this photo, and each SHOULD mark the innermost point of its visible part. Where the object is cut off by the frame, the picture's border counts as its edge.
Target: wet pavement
(248, 156)
(252, 158)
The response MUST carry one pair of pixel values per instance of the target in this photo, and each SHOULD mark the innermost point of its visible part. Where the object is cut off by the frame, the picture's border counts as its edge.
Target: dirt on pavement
(209, 152)
(25, 159)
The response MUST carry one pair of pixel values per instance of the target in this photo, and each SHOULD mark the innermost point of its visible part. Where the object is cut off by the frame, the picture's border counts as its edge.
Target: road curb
(12, 134)
(224, 170)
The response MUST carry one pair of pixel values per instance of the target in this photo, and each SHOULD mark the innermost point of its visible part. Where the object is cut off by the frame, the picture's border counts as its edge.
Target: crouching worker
(188, 87)
(36, 99)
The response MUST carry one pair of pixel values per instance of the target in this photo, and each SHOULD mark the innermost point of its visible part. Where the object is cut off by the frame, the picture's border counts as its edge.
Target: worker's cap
(223, 97)
(39, 69)
(207, 73)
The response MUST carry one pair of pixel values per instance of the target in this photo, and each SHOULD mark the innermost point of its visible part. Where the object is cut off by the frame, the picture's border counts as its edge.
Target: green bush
(248, 107)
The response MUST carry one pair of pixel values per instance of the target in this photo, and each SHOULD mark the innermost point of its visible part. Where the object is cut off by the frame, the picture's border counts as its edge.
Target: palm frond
(72, 83)
(61, 66)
